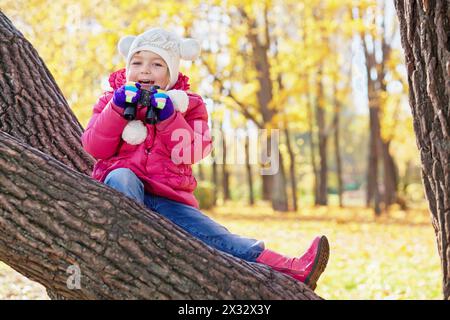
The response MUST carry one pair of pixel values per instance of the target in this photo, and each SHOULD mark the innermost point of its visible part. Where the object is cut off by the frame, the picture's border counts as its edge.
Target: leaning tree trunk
(425, 35)
(55, 219)
(33, 108)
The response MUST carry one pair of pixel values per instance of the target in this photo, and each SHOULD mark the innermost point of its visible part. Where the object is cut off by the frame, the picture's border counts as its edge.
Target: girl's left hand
(164, 106)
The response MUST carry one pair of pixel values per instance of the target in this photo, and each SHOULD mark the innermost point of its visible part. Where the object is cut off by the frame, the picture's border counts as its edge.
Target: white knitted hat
(164, 43)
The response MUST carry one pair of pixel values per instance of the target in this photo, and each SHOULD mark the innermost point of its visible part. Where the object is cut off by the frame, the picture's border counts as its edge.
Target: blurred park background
(327, 75)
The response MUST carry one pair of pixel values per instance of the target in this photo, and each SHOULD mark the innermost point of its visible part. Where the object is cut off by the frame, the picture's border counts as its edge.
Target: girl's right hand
(128, 93)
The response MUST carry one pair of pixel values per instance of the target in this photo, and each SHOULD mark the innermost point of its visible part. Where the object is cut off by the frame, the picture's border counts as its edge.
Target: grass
(392, 257)
(14, 286)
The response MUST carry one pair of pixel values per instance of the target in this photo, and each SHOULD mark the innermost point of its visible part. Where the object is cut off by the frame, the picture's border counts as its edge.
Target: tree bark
(33, 108)
(53, 216)
(425, 37)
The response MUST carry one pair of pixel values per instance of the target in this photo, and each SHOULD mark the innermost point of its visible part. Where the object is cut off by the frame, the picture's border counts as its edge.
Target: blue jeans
(187, 217)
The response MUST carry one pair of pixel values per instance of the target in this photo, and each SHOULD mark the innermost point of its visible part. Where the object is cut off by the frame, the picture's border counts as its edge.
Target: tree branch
(241, 107)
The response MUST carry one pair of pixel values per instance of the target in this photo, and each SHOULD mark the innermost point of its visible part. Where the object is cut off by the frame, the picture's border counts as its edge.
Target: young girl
(142, 160)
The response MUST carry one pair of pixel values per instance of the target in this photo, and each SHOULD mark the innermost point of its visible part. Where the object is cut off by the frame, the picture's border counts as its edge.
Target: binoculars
(145, 100)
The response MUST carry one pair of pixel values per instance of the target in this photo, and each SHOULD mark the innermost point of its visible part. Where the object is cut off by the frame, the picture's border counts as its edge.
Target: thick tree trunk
(57, 224)
(33, 108)
(55, 220)
(425, 35)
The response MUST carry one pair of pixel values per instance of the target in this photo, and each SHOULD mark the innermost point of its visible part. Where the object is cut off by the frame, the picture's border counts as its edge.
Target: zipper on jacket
(148, 149)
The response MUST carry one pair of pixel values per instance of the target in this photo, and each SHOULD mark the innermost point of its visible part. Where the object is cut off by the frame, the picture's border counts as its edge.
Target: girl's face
(148, 69)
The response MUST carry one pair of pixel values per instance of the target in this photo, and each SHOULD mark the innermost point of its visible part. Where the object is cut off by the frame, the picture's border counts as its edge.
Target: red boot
(307, 268)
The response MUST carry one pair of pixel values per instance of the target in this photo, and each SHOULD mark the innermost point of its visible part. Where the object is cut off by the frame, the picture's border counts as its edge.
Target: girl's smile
(148, 69)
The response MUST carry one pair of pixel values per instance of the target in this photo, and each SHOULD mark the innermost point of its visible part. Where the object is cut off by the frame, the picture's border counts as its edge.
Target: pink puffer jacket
(151, 160)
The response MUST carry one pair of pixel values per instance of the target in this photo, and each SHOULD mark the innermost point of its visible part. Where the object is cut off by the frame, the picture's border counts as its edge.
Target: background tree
(425, 29)
(377, 41)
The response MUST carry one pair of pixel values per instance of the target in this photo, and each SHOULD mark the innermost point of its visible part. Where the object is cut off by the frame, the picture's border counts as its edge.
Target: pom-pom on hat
(164, 43)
